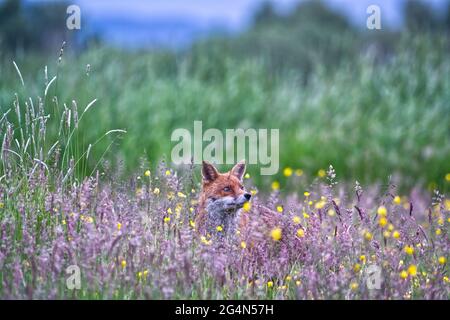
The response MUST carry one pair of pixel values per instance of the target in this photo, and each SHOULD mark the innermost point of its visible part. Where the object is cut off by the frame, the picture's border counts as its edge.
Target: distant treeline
(38, 26)
(311, 31)
(312, 34)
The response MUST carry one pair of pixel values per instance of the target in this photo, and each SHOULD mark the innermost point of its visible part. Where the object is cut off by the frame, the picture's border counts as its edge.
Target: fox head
(224, 191)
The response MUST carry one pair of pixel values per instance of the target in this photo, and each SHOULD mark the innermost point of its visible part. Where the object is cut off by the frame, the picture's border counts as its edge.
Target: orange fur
(217, 186)
(214, 186)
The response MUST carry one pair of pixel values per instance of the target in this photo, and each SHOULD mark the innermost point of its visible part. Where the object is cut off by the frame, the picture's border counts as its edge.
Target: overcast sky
(234, 13)
(180, 21)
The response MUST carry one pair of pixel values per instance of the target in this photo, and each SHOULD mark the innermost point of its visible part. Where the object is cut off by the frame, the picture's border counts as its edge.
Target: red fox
(222, 197)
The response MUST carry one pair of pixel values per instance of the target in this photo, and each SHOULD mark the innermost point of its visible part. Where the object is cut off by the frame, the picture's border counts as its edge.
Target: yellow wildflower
(382, 222)
(166, 219)
(119, 226)
(280, 209)
(269, 284)
(276, 234)
(247, 206)
(412, 270)
(447, 177)
(156, 191)
(275, 185)
(409, 250)
(300, 233)
(124, 264)
(396, 234)
(296, 219)
(147, 173)
(331, 212)
(320, 204)
(368, 236)
(354, 286)
(357, 267)
(192, 223)
(247, 176)
(305, 215)
(386, 234)
(298, 283)
(442, 260)
(181, 195)
(219, 228)
(321, 173)
(168, 173)
(207, 242)
(438, 232)
(243, 244)
(390, 227)
(287, 172)
(403, 274)
(382, 211)
(306, 193)
(397, 200)
(299, 172)
(362, 258)
(447, 204)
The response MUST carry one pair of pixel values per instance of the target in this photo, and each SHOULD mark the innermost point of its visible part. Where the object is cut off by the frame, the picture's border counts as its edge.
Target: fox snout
(227, 203)
(243, 198)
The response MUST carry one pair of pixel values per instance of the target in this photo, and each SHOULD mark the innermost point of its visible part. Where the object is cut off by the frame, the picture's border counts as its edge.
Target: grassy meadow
(86, 177)
(368, 119)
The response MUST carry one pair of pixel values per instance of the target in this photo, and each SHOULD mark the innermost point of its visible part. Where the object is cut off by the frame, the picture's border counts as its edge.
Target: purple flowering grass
(137, 240)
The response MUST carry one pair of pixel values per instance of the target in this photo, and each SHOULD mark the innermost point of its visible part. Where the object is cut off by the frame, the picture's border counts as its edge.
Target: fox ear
(239, 169)
(209, 172)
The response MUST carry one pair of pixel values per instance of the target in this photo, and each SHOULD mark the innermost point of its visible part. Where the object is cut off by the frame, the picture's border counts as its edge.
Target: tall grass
(137, 240)
(63, 204)
(368, 119)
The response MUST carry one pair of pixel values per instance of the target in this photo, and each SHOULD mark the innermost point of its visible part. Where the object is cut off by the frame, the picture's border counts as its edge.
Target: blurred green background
(371, 103)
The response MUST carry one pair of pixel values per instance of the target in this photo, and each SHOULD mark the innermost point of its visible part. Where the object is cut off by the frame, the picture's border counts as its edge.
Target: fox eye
(227, 189)
(242, 187)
